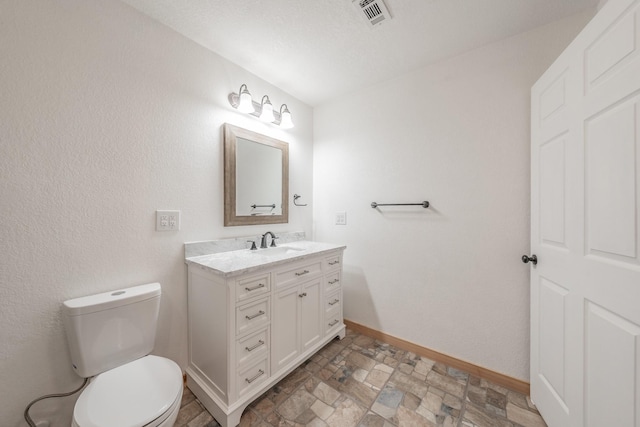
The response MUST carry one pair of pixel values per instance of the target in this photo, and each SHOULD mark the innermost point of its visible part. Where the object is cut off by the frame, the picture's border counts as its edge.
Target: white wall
(106, 116)
(456, 134)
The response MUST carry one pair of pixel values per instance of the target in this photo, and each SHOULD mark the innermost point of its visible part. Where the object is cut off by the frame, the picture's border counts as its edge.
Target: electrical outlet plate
(167, 220)
(341, 218)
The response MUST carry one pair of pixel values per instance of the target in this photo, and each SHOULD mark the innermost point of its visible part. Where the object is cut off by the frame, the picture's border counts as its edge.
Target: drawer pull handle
(260, 285)
(302, 273)
(335, 322)
(260, 313)
(302, 295)
(258, 375)
(334, 262)
(333, 282)
(253, 347)
(334, 302)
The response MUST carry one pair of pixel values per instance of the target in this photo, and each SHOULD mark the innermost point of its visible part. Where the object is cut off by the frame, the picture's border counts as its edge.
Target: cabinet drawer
(333, 281)
(333, 320)
(252, 347)
(332, 262)
(251, 377)
(293, 275)
(252, 286)
(251, 316)
(333, 302)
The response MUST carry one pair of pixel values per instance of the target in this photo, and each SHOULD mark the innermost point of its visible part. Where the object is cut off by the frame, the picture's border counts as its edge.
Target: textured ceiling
(318, 50)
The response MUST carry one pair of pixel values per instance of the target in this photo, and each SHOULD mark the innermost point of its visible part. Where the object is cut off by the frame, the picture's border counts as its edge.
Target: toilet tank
(112, 328)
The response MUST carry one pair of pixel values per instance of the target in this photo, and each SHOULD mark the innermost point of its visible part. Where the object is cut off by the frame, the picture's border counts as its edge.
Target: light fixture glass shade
(267, 110)
(285, 117)
(245, 103)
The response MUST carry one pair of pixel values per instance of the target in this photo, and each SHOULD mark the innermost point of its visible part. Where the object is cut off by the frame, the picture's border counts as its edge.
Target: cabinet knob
(302, 295)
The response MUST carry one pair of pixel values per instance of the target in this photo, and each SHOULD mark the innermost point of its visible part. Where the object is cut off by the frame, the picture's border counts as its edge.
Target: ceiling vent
(374, 12)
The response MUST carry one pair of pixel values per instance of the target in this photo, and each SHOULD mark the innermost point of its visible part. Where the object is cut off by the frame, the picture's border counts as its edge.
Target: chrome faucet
(263, 242)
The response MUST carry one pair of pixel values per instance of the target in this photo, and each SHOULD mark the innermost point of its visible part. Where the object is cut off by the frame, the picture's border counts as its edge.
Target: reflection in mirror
(258, 179)
(256, 172)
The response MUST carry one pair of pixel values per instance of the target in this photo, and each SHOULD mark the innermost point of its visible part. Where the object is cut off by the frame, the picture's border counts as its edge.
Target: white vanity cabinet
(248, 329)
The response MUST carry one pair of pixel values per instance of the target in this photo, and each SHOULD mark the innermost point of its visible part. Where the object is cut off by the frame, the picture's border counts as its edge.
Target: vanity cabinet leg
(233, 419)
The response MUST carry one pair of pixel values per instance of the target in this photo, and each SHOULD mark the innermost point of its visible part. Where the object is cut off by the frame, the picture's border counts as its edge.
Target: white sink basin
(278, 251)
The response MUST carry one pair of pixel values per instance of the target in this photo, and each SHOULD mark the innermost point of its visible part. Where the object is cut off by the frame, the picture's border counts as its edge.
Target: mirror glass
(255, 179)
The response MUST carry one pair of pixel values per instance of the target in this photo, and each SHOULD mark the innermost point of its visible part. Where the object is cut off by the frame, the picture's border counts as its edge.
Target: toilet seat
(144, 392)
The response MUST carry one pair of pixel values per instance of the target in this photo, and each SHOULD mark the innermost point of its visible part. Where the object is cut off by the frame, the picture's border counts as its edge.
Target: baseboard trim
(489, 375)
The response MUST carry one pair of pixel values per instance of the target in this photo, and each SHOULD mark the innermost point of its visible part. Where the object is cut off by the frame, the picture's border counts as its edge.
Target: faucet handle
(273, 241)
(253, 245)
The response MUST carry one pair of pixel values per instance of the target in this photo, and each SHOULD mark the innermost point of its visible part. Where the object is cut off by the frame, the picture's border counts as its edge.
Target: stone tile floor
(362, 382)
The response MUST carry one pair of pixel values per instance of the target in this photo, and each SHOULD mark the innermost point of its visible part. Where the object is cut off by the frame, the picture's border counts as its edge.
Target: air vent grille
(373, 11)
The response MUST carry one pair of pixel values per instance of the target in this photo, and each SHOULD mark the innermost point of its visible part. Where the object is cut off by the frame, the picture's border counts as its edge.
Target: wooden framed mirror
(256, 178)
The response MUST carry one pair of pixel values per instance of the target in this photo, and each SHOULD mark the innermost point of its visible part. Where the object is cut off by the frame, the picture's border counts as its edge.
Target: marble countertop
(233, 263)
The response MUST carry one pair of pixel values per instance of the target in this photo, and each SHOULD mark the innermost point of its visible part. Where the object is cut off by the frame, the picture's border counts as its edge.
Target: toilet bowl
(110, 336)
(146, 392)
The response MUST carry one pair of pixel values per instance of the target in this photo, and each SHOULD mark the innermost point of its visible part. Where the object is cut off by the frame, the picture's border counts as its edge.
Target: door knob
(532, 258)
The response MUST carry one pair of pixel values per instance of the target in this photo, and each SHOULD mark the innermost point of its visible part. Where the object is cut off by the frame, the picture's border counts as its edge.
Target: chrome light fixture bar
(263, 110)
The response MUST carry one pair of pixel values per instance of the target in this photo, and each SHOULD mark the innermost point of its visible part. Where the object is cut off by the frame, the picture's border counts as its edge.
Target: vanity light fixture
(285, 117)
(244, 103)
(267, 110)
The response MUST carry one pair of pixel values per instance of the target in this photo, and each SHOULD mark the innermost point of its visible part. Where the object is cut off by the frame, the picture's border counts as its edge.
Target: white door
(585, 227)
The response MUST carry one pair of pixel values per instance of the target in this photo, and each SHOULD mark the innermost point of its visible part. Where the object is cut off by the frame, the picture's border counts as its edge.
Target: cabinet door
(284, 328)
(310, 314)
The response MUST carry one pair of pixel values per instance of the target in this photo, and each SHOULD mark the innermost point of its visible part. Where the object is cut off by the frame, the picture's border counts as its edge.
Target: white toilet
(110, 337)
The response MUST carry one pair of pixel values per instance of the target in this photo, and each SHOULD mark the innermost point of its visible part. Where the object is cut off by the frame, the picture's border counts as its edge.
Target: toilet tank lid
(111, 299)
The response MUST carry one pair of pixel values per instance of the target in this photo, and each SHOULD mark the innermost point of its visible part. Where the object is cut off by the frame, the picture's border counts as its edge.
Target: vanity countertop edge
(235, 263)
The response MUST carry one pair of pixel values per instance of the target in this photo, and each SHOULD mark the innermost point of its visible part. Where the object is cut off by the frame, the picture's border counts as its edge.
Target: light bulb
(267, 110)
(245, 103)
(285, 117)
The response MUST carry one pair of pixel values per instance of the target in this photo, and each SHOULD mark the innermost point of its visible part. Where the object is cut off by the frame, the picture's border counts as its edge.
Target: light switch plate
(341, 218)
(167, 220)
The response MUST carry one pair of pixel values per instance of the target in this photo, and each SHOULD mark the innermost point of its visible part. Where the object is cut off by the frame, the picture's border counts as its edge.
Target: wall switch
(341, 218)
(167, 220)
